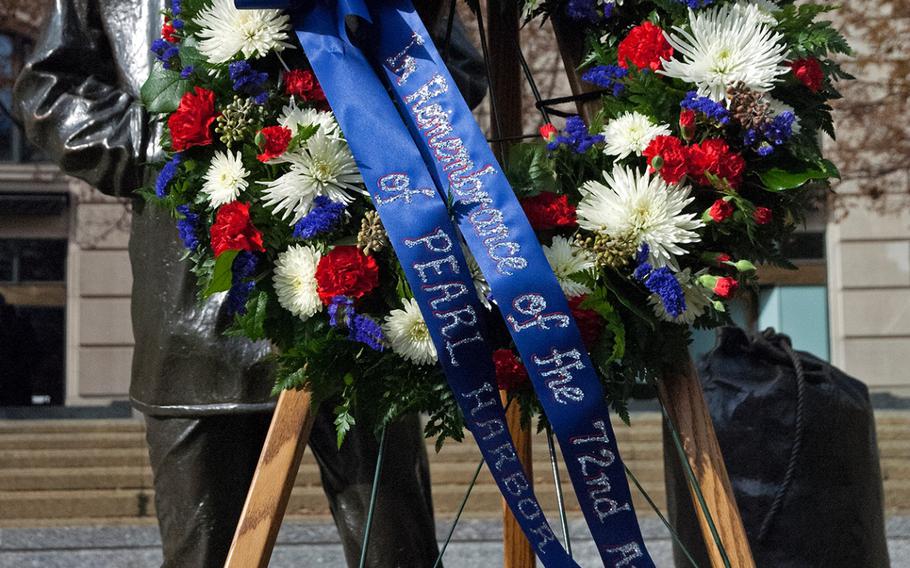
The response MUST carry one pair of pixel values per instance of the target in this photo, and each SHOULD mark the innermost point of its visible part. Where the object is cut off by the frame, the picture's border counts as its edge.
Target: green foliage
(780, 179)
(530, 170)
(162, 91)
(807, 36)
(221, 276)
(252, 323)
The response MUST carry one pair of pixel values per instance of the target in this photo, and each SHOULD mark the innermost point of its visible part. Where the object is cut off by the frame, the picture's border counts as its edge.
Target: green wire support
(693, 482)
(373, 494)
(673, 534)
(464, 502)
(560, 501)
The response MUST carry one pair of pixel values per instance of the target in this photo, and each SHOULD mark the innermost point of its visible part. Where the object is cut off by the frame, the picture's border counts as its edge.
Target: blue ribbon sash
(433, 128)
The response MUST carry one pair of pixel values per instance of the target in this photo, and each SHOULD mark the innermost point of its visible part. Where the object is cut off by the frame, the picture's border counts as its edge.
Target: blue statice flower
(166, 175)
(165, 52)
(176, 7)
(641, 271)
(779, 129)
(608, 10)
(642, 255)
(322, 218)
(366, 330)
(177, 23)
(343, 303)
(696, 4)
(583, 10)
(750, 136)
(576, 136)
(706, 106)
(188, 227)
(361, 328)
(247, 80)
(764, 149)
(607, 77)
(187, 71)
(241, 270)
(668, 289)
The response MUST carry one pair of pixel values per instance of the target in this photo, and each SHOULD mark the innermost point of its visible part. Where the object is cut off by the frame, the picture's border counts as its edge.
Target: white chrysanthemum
(778, 107)
(295, 280)
(725, 45)
(763, 10)
(630, 133)
(697, 299)
(293, 117)
(227, 31)
(566, 259)
(643, 208)
(324, 166)
(407, 332)
(224, 179)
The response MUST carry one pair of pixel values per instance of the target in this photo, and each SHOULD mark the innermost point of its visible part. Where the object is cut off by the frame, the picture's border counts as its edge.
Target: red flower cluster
(721, 210)
(714, 156)
(302, 84)
(725, 287)
(548, 132)
(549, 211)
(510, 372)
(590, 324)
(168, 32)
(345, 271)
(644, 47)
(762, 215)
(667, 155)
(233, 229)
(809, 72)
(191, 123)
(275, 140)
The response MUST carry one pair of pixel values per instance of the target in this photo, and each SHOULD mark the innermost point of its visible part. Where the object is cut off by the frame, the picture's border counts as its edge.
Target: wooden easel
(679, 391)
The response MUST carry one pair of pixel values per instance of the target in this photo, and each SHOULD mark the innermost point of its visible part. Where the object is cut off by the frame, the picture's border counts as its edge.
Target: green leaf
(162, 91)
(251, 324)
(779, 179)
(221, 278)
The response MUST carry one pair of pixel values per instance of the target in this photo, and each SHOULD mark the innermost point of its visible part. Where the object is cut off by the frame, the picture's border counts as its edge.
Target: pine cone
(372, 236)
(748, 107)
(608, 251)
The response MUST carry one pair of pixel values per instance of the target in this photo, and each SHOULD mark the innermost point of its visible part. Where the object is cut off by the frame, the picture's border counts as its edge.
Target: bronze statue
(206, 397)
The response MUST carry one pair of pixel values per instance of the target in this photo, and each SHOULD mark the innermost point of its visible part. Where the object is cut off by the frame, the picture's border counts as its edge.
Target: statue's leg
(203, 468)
(403, 532)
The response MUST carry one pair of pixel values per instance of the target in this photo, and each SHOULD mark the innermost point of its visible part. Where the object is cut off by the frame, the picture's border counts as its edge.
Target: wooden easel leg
(270, 490)
(682, 396)
(517, 551)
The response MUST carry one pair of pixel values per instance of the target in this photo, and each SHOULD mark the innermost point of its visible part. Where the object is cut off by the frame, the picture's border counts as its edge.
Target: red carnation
(721, 210)
(191, 123)
(345, 271)
(723, 257)
(725, 287)
(510, 372)
(762, 215)
(667, 156)
(547, 210)
(687, 123)
(302, 84)
(714, 156)
(809, 72)
(548, 132)
(590, 324)
(645, 46)
(275, 142)
(233, 229)
(168, 32)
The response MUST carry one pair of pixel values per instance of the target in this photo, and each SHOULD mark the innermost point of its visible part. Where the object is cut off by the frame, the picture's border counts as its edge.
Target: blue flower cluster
(187, 71)
(576, 136)
(176, 9)
(188, 227)
(661, 282)
(706, 106)
(583, 10)
(607, 77)
(249, 81)
(324, 217)
(696, 4)
(361, 328)
(166, 175)
(775, 132)
(165, 52)
(241, 270)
